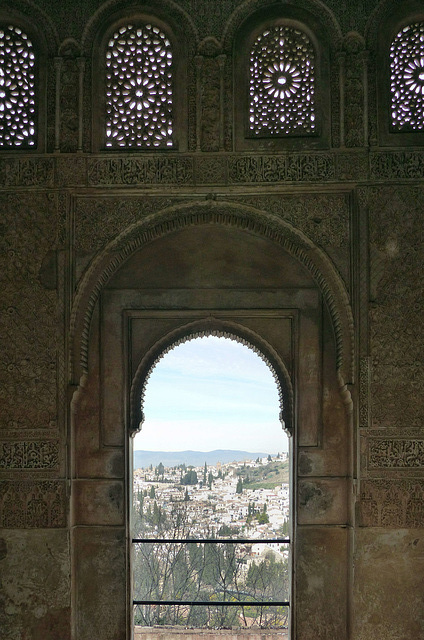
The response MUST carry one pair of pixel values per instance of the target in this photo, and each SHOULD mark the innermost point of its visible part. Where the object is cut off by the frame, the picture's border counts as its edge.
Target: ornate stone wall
(357, 203)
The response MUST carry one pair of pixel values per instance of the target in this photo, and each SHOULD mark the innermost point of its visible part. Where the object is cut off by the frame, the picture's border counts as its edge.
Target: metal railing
(229, 597)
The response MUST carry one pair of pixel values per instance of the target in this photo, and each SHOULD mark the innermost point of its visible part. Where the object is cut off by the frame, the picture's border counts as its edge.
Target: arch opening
(284, 411)
(212, 408)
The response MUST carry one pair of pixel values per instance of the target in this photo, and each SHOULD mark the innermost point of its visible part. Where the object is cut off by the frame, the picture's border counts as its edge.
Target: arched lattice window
(17, 89)
(139, 97)
(281, 83)
(407, 78)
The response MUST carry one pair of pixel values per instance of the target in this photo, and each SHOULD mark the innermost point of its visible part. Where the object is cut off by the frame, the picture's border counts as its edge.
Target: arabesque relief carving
(142, 170)
(28, 505)
(392, 503)
(29, 455)
(395, 453)
(280, 168)
(28, 320)
(396, 319)
(397, 164)
(99, 220)
(26, 172)
(354, 90)
(191, 169)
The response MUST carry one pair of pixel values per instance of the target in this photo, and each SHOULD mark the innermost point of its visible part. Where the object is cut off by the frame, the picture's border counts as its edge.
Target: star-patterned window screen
(282, 83)
(407, 79)
(17, 89)
(139, 96)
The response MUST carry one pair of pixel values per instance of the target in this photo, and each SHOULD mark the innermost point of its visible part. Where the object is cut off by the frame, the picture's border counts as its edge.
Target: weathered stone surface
(101, 605)
(321, 583)
(389, 586)
(98, 502)
(322, 501)
(35, 585)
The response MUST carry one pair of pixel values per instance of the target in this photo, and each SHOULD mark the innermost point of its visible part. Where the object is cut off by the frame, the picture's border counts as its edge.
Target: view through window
(211, 465)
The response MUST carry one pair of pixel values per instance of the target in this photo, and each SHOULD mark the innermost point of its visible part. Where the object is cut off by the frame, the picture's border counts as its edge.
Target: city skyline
(211, 393)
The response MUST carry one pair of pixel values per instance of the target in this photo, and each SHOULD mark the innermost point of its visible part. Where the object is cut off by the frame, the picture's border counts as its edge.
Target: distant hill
(144, 459)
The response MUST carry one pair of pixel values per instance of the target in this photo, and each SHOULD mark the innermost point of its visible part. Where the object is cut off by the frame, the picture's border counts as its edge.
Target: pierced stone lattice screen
(281, 86)
(139, 88)
(407, 78)
(17, 89)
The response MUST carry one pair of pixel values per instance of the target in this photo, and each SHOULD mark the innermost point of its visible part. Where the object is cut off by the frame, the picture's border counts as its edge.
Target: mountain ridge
(143, 459)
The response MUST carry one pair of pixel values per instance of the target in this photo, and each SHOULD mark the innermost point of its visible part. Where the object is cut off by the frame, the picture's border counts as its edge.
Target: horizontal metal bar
(210, 540)
(208, 603)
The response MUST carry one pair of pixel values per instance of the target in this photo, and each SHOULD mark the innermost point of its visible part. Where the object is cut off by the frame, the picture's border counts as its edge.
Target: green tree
(262, 518)
(210, 479)
(190, 477)
(152, 494)
(205, 473)
(239, 487)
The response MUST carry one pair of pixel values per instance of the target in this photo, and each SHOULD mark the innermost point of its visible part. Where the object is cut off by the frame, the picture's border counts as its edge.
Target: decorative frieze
(392, 503)
(145, 170)
(395, 453)
(292, 167)
(29, 455)
(26, 172)
(391, 165)
(32, 505)
(197, 169)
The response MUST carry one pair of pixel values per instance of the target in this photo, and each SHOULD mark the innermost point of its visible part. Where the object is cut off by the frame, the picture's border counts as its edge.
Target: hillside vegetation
(265, 476)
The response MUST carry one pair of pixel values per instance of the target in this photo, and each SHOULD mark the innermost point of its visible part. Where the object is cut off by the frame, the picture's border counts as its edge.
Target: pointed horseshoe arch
(245, 218)
(211, 326)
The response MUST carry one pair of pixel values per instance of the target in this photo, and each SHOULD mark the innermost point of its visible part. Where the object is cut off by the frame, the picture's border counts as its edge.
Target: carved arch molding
(108, 261)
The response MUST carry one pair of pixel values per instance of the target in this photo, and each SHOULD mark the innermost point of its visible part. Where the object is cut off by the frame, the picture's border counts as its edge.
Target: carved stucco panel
(396, 319)
(392, 503)
(29, 504)
(28, 308)
(29, 455)
(99, 220)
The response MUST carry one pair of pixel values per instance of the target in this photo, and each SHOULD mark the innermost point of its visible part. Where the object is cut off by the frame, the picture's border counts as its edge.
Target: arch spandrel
(317, 10)
(240, 217)
(110, 10)
(212, 326)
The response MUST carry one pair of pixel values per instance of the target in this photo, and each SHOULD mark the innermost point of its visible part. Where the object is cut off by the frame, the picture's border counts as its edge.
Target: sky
(211, 393)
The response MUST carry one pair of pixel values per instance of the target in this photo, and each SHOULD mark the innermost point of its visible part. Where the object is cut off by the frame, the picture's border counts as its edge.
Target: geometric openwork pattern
(281, 83)
(139, 88)
(17, 89)
(407, 78)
